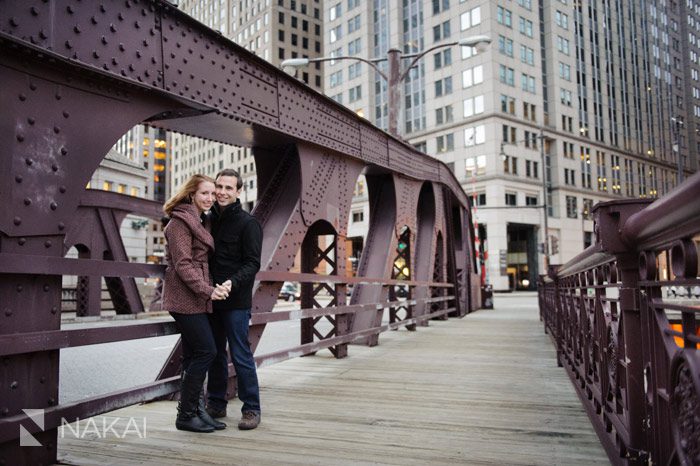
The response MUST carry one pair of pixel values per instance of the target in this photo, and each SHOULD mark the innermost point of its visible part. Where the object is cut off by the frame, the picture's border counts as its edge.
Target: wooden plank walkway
(482, 390)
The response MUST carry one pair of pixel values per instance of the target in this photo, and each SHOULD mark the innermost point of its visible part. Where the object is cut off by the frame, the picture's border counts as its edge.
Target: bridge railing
(623, 316)
(20, 343)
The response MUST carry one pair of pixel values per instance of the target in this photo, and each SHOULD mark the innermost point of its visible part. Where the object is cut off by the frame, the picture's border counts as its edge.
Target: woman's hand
(219, 293)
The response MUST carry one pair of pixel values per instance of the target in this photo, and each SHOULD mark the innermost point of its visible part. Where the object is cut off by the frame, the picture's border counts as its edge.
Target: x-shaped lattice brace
(401, 270)
(313, 257)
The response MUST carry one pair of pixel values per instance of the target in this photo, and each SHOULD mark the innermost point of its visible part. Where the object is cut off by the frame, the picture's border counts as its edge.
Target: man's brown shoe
(249, 420)
(216, 413)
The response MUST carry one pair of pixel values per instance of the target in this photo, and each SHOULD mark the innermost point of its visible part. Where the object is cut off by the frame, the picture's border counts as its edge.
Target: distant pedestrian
(188, 295)
(238, 244)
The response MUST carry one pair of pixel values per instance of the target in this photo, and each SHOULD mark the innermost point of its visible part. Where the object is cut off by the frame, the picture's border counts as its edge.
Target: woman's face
(204, 197)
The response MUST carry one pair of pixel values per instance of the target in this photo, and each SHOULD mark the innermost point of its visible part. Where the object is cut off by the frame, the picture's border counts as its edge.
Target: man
(237, 244)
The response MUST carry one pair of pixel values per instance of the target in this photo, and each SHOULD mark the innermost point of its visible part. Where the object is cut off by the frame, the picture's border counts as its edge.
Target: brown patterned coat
(187, 286)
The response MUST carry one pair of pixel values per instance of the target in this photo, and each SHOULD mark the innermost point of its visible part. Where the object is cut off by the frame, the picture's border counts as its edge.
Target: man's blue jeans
(232, 325)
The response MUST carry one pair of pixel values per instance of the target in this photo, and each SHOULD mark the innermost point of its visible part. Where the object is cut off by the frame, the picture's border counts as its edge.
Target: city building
(602, 98)
(149, 148)
(272, 29)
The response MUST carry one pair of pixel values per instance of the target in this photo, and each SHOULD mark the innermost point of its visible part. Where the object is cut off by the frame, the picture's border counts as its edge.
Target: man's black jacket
(237, 244)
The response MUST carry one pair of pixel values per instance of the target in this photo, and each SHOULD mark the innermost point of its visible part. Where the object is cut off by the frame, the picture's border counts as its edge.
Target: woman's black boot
(187, 416)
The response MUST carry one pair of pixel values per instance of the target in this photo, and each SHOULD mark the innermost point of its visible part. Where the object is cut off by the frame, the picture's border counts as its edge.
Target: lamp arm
(419, 55)
(372, 63)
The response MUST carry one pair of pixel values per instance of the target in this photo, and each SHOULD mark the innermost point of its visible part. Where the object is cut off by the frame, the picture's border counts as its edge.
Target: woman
(188, 295)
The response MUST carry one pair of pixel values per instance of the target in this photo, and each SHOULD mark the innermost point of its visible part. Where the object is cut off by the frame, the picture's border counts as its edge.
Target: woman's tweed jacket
(187, 287)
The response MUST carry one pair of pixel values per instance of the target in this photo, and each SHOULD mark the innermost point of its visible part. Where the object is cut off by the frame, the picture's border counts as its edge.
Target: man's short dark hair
(231, 172)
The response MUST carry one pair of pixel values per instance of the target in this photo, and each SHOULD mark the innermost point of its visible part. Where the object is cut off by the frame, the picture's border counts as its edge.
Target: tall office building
(601, 98)
(149, 148)
(272, 29)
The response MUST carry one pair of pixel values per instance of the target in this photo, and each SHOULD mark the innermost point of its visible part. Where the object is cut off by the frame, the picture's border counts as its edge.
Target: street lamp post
(395, 75)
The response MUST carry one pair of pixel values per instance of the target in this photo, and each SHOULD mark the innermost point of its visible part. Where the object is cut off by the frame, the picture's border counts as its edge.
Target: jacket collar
(189, 215)
(227, 210)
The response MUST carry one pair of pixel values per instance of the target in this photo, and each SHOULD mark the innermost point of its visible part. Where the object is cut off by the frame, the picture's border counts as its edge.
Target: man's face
(226, 191)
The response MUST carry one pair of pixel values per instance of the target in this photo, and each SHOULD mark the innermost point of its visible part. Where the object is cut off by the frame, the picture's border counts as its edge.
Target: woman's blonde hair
(184, 195)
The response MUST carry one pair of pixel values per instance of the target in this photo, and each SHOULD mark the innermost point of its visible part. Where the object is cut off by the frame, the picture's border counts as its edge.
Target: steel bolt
(17, 221)
(21, 241)
(19, 288)
(31, 120)
(28, 161)
(53, 206)
(56, 129)
(47, 244)
(65, 114)
(61, 226)
(13, 22)
(54, 310)
(27, 201)
(22, 97)
(20, 137)
(18, 178)
(47, 288)
(14, 385)
(54, 167)
(76, 29)
(62, 189)
(8, 311)
(64, 151)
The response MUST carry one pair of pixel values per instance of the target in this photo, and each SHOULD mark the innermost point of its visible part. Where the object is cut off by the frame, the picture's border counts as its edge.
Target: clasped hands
(221, 291)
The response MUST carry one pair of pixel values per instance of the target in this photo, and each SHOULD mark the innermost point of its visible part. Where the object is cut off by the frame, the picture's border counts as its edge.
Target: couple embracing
(212, 254)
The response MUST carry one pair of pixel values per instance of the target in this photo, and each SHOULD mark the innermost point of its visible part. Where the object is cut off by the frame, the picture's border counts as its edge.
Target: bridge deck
(481, 390)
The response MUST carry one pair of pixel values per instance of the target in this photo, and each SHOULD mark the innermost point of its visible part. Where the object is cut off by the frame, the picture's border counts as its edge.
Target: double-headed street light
(395, 75)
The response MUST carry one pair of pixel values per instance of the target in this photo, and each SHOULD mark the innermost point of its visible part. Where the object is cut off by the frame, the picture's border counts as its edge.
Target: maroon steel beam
(156, 47)
(675, 215)
(18, 343)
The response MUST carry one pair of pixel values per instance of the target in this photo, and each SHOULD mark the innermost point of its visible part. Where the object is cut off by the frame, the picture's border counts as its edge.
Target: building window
(335, 12)
(532, 169)
(443, 86)
(358, 216)
(354, 70)
(507, 104)
(510, 165)
(531, 200)
(474, 135)
(355, 46)
(354, 24)
(473, 106)
(441, 31)
(475, 165)
(445, 143)
(472, 76)
(571, 209)
(355, 93)
(511, 199)
(525, 26)
(444, 115)
(443, 58)
(506, 75)
(469, 19)
(336, 78)
(504, 16)
(527, 55)
(505, 46)
(336, 33)
(440, 5)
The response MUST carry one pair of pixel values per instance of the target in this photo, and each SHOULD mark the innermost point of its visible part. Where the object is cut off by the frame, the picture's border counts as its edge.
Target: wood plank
(481, 390)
